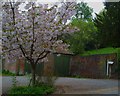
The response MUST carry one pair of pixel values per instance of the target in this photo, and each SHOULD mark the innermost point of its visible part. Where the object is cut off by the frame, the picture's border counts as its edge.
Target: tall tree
(83, 39)
(83, 11)
(108, 25)
(34, 33)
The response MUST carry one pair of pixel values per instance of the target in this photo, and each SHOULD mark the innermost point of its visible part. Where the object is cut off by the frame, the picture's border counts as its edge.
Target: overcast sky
(97, 5)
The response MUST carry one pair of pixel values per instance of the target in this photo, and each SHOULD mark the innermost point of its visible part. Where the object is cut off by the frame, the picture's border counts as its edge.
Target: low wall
(94, 66)
(17, 67)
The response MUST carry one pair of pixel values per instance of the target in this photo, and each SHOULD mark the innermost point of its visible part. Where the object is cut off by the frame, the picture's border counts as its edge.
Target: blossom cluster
(36, 30)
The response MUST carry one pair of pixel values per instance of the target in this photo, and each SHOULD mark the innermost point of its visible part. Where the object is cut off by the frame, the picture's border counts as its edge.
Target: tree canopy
(83, 39)
(83, 11)
(34, 33)
(107, 24)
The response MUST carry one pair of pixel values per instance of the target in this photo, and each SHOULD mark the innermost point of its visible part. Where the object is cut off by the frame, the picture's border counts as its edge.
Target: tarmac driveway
(71, 85)
(87, 86)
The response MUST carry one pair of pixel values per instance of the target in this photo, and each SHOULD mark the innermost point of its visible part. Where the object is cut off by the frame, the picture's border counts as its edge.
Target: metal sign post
(109, 63)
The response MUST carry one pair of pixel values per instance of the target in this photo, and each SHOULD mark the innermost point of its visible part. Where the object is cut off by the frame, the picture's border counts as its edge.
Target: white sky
(97, 5)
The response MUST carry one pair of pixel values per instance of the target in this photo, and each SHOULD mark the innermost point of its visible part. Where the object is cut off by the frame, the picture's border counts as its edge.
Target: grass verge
(101, 51)
(40, 90)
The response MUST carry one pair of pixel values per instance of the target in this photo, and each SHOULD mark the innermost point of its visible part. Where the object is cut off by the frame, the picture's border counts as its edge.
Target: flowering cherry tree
(35, 32)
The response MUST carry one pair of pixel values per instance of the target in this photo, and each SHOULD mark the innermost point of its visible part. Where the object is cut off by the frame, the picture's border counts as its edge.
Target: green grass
(101, 51)
(37, 91)
(7, 73)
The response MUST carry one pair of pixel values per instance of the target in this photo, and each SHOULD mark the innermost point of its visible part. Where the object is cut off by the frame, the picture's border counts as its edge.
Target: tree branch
(24, 53)
(42, 56)
(32, 45)
(20, 46)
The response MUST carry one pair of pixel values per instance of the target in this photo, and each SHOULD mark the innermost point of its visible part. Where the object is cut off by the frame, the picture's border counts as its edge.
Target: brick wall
(85, 66)
(92, 66)
(17, 67)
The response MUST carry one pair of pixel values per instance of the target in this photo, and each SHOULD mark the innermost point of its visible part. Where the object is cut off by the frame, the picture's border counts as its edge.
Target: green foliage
(43, 89)
(101, 51)
(7, 73)
(107, 23)
(83, 10)
(84, 39)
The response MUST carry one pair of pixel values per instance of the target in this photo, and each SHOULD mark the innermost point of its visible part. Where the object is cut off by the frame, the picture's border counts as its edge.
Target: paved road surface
(87, 86)
(72, 85)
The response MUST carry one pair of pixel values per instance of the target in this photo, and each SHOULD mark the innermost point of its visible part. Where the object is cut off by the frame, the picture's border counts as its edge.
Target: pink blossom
(39, 27)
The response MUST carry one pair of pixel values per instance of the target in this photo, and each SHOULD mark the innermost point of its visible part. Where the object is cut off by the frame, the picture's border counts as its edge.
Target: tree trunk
(17, 68)
(33, 67)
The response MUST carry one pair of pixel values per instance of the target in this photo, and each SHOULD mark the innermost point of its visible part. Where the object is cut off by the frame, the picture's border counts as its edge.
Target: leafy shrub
(43, 89)
(8, 73)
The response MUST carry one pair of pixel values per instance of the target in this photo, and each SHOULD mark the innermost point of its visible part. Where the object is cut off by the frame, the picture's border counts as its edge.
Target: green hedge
(7, 73)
